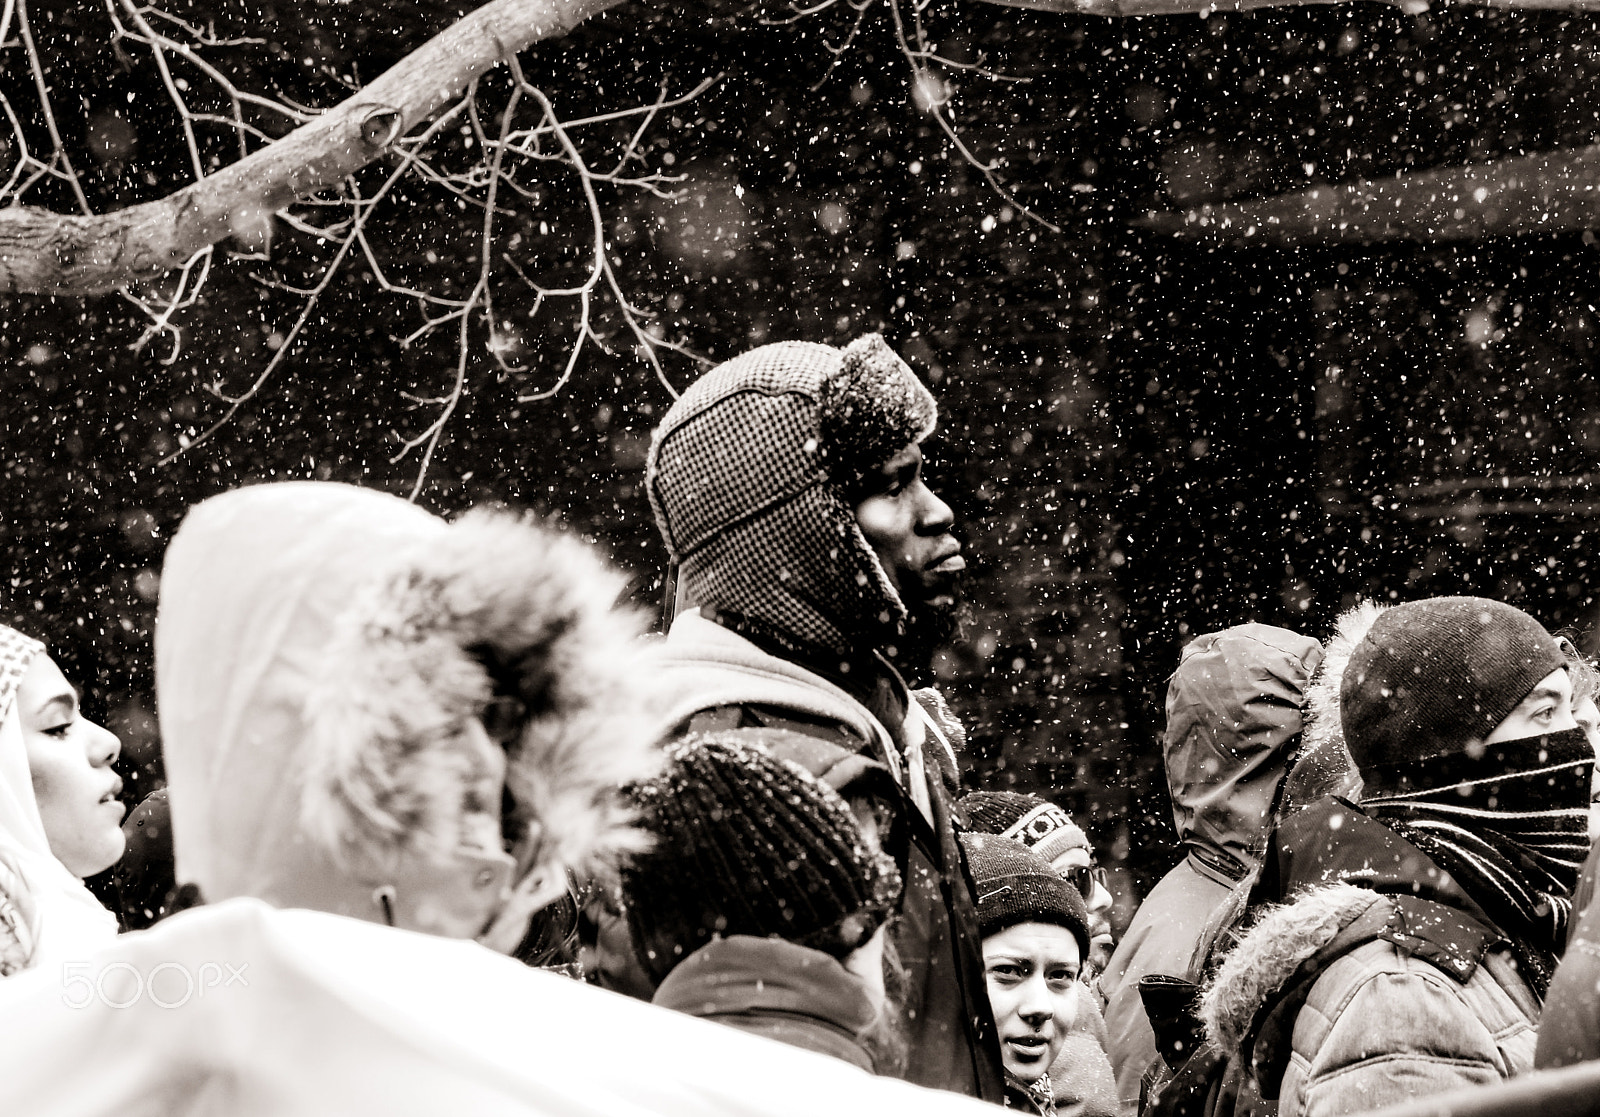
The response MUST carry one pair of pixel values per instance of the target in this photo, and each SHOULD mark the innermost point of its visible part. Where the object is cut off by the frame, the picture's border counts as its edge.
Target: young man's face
(1546, 709)
(909, 528)
(1031, 970)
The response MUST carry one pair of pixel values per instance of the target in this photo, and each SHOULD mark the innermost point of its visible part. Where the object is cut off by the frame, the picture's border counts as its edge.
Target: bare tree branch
(42, 251)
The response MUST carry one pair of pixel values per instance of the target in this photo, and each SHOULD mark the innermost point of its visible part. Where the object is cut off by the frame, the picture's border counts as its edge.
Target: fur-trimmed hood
(1268, 955)
(327, 660)
(1324, 766)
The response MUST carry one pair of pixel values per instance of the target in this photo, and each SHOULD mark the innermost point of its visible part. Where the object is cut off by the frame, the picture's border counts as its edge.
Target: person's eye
(59, 731)
(1004, 971)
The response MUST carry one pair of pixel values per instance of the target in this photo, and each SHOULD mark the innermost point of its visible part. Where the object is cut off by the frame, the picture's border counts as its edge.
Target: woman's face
(1032, 974)
(70, 758)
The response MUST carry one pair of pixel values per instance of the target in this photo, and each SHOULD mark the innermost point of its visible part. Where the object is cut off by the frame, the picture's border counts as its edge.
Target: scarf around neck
(1510, 825)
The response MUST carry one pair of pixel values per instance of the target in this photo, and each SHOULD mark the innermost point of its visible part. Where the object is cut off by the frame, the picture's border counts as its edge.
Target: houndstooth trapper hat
(749, 476)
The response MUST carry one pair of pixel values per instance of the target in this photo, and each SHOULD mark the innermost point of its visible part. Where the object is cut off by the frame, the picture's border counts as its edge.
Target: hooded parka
(47, 916)
(1234, 713)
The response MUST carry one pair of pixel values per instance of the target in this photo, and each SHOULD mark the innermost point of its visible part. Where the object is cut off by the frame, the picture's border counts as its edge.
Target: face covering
(1511, 826)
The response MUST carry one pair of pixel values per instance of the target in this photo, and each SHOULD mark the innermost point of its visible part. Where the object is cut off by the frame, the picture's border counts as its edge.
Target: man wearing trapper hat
(787, 485)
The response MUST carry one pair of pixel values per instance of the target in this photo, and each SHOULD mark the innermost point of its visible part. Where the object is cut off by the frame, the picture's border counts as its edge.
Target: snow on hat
(1013, 884)
(1037, 823)
(1433, 678)
(16, 652)
(747, 844)
(750, 476)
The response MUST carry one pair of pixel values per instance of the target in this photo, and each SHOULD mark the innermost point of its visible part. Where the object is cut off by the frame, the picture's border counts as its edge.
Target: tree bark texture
(1125, 8)
(1547, 192)
(44, 252)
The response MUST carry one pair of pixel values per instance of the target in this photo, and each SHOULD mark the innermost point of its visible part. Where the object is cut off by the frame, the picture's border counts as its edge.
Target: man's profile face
(908, 527)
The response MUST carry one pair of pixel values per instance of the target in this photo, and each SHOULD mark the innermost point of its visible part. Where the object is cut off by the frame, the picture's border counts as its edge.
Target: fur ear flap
(499, 607)
(871, 408)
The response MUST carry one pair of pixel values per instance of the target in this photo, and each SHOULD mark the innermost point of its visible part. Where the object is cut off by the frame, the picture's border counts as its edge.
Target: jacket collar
(1352, 881)
(744, 974)
(1333, 841)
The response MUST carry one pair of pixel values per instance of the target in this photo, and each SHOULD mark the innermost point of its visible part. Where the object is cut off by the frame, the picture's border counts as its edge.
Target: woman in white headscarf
(59, 813)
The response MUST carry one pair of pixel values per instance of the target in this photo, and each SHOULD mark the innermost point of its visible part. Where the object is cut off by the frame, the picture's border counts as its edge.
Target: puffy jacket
(777, 989)
(715, 676)
(1233, 722)
(1379, 982)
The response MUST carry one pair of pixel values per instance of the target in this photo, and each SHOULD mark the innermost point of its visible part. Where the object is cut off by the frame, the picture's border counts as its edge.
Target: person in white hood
(59, 812)
(368, 711)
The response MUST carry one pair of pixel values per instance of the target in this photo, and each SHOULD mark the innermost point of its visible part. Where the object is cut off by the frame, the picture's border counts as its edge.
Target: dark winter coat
(718, 679)
(1025, 1099)
(777, 989)
(1378, 982)
(1233, 721)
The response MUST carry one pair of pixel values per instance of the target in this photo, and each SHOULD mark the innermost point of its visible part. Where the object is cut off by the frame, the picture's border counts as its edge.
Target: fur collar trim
(1270, 953)
(1324, 733)
(494, 604)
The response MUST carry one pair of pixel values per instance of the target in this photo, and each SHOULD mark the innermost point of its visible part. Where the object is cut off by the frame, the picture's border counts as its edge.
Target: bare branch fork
(926, 85)
(42, 251)
(312, 170)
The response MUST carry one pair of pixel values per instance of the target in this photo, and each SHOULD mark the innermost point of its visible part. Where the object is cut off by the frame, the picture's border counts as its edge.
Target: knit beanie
(16, 653)
(1433, 678)
(1013, 884)
(1037, 823)
(750, 475)
(746, 844)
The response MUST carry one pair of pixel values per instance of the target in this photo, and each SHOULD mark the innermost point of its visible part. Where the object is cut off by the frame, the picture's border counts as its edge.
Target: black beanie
(1433, 678)
(1012, 884)
(747, 844)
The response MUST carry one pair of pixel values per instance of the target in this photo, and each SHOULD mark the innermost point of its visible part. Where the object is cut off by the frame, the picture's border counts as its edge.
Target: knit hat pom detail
(872, 408)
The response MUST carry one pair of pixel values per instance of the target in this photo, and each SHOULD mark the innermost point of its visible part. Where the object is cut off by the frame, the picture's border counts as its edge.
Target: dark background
(1143, 439)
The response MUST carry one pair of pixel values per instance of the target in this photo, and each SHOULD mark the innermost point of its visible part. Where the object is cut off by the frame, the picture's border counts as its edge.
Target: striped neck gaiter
(1510, 825)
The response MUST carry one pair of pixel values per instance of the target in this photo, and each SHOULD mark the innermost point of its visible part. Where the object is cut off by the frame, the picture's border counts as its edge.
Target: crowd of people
(421, 774)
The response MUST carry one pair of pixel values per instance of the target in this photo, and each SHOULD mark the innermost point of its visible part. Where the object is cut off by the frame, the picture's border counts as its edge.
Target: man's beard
(928, 628)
